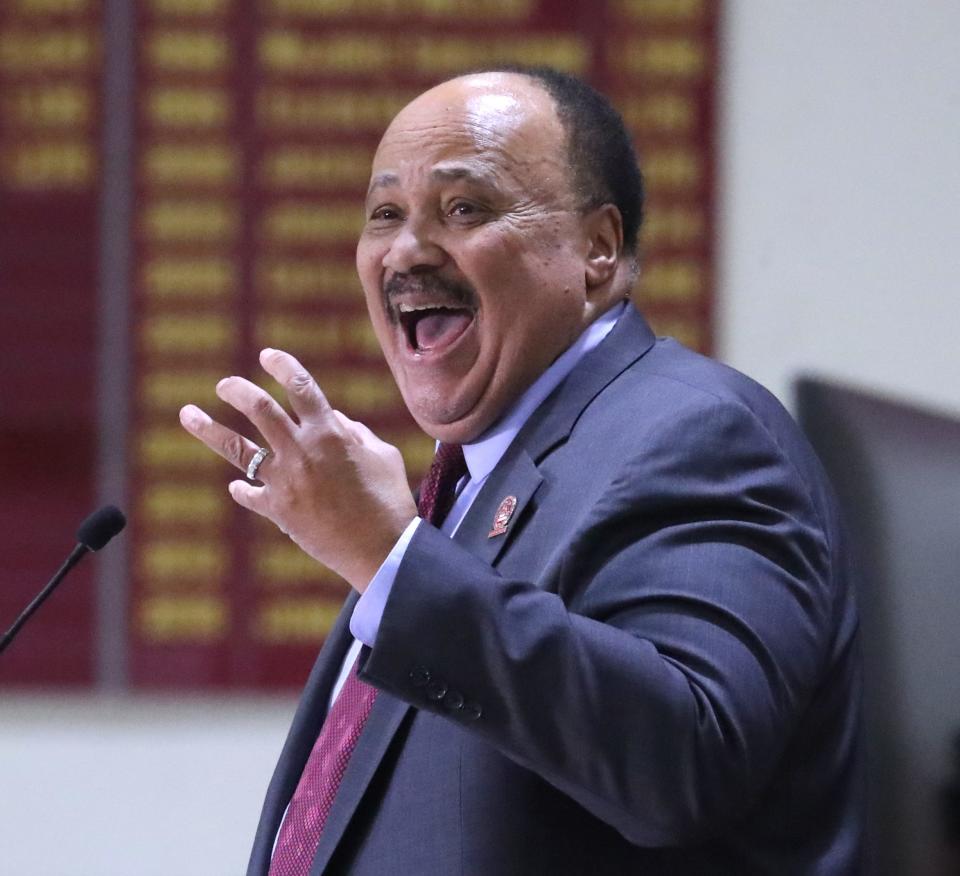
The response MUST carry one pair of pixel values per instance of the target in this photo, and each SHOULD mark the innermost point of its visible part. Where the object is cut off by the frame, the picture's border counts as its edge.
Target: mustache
(451, 293)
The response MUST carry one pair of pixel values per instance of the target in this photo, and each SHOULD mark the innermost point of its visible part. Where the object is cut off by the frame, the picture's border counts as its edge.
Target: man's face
(472, 255)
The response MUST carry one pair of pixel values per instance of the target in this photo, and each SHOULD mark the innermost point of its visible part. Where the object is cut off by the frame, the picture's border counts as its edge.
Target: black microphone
(92, 535)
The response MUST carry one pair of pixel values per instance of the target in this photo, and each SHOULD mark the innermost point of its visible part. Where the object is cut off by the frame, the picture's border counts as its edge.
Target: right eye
(385, 213)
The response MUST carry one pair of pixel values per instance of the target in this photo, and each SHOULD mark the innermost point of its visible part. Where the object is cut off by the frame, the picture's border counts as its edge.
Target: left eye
(462, 208)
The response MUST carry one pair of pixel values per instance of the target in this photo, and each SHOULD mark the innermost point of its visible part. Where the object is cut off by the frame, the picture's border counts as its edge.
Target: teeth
(412, 308)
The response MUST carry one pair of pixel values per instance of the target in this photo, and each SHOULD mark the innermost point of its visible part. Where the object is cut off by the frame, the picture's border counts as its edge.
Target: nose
(412, 250)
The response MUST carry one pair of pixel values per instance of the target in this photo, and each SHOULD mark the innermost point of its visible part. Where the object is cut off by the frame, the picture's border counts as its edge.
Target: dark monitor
(896, 470)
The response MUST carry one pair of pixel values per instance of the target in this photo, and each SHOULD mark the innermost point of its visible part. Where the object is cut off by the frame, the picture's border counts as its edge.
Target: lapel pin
(503, 515)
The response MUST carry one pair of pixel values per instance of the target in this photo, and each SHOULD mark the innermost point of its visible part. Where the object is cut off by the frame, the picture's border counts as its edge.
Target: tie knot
(448, 458)
(437, 491)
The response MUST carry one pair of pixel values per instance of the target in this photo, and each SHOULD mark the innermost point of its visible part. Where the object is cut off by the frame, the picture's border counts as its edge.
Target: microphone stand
(76, 555)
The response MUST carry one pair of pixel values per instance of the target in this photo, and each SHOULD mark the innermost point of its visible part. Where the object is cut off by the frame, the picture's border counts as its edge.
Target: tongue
(440, 328)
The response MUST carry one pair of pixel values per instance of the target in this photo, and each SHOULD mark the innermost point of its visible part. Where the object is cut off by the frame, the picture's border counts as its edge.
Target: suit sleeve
(654, 674)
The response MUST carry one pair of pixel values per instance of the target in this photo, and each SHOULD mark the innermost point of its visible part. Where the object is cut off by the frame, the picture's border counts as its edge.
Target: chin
(449, 428)
(451, 433)
(448, 431)
(453, 411)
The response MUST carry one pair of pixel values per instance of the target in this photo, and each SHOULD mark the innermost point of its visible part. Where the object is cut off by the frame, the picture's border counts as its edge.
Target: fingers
(247, 496)
(260, 408)
(234, 448)
(306, 398)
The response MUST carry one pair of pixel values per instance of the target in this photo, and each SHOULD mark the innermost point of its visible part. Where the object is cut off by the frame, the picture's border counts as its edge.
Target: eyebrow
(462, 171)
(381, 180)
(452, 172)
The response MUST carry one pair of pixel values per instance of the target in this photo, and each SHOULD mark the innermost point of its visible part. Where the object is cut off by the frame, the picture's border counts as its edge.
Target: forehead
(495, 128)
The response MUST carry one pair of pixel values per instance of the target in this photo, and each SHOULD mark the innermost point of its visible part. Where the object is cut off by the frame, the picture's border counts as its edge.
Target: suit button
(453, 701)
(420, 675)
(436, 689)
(472, 711)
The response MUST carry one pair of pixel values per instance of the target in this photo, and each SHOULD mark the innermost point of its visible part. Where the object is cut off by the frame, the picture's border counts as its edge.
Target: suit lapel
(517, 474)
(515, 478)
(629, 340)
(303, 733)
(385, 719)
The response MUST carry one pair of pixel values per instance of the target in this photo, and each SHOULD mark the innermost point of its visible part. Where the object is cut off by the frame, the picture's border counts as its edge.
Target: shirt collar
(483, 454)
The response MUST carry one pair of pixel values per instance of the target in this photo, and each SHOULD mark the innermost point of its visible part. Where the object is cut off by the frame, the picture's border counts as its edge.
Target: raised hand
(328, 482)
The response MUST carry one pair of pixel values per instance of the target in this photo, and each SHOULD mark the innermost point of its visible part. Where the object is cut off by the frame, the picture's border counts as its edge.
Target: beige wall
(840, 194)
(135, 786)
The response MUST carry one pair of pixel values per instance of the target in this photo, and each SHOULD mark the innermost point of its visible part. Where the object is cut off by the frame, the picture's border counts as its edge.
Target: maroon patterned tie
(438, 488)
(320, 781)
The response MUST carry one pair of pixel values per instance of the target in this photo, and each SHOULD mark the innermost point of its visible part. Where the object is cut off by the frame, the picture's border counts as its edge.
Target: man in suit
(623, 638)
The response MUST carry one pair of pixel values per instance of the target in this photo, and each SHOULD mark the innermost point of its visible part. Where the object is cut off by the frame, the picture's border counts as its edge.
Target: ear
(604, 228)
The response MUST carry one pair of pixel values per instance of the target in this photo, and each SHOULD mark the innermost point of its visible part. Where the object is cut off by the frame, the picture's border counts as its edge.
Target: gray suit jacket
(654, 670)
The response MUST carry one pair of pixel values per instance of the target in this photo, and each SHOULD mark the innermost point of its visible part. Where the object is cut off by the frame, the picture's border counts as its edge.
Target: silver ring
(258, 457)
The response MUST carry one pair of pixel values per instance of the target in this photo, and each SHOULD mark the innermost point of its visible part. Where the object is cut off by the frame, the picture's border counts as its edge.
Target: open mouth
(430, 328)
